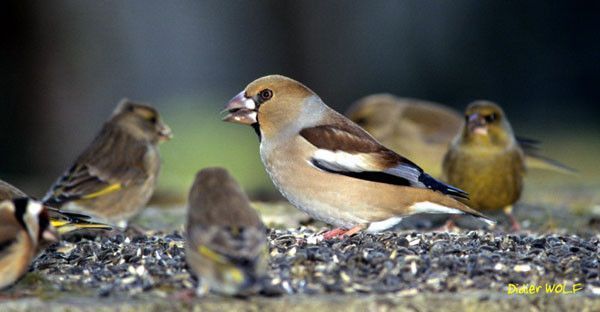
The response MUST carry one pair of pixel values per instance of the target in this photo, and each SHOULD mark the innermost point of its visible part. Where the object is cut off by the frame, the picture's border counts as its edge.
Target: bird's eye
(265, 94)
(491, 118)
(153, 119)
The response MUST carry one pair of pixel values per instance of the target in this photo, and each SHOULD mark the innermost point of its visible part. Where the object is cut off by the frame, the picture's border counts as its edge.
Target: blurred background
(66, 63)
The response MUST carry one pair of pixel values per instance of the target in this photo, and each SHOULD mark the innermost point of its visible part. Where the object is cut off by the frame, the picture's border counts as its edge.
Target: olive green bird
(116, 174)
(226, 241)
(486, 160)
(64, 222)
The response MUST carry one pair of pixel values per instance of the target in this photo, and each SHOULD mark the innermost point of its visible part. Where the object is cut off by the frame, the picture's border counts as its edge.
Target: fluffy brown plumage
(486, 160)
(329, 167)
(226, 241)
(115, 176)
(24, 224)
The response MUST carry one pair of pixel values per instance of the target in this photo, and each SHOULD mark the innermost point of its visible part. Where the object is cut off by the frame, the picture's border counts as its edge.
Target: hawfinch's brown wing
(347, 149)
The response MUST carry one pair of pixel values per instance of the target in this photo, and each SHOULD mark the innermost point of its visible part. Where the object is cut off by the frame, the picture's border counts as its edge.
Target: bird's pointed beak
(165, 133)
(241, 110)
(477, 124)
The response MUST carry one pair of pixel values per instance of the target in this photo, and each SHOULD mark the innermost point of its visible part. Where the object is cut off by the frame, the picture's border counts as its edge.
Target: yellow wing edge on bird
(64, 227)
(109, 189)
(213, 256)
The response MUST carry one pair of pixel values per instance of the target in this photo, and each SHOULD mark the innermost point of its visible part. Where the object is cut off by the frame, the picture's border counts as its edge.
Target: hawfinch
(332, 169)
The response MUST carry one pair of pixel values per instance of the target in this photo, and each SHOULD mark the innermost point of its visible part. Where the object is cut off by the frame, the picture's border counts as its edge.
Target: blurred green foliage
(202, 140)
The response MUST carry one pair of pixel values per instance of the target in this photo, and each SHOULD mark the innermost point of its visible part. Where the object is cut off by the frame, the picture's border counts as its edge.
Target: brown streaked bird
(116, 174)
(329, 167)
(24, 224)
(486, 160)
(62, 221)
(226, 241)
(416, 129)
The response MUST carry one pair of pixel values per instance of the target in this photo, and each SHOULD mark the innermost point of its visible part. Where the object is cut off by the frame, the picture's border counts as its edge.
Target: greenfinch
(115, 176)
(226, 241)
(486, 160)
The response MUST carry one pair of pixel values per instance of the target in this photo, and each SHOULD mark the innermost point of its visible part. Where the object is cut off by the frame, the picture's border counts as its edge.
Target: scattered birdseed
(403, 263)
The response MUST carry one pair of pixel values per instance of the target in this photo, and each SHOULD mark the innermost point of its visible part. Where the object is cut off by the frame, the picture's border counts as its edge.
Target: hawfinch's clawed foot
(339, 232)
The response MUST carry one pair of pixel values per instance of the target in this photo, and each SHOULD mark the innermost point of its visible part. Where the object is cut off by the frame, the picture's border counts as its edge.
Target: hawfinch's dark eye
(153, 119)
(265, 94)
(491, 118)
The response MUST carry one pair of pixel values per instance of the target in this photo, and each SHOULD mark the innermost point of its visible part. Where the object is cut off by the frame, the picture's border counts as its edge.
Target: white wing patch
(383, 225)
(429, 207)
(342, 161)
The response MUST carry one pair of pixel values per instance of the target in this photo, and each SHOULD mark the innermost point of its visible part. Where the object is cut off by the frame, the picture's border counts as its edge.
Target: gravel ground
(406, 263)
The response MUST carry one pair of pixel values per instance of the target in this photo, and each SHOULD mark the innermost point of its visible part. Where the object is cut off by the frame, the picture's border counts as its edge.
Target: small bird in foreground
(115, 176)
(24, 224)
(486, 160)
(62, 221)
(226, 241)
(423, 130)
(330, 168)
(415, 129)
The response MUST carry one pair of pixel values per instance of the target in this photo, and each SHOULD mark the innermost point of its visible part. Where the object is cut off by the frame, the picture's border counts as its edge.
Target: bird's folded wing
(228, 245)
(66, 222)
(351, 151)
(88, 182)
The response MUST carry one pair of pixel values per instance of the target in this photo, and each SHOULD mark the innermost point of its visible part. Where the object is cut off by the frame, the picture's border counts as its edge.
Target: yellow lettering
(512, 288)
(550, 288)
(532, 289)
(577, 287)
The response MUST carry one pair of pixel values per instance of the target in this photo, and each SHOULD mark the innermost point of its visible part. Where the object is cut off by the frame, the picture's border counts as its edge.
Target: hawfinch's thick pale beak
(477, 124)
(241, 110)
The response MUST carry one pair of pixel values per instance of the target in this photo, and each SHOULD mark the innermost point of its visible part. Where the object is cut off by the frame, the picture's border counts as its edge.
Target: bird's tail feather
(535, 161)
(437, 185)
(66, 222)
